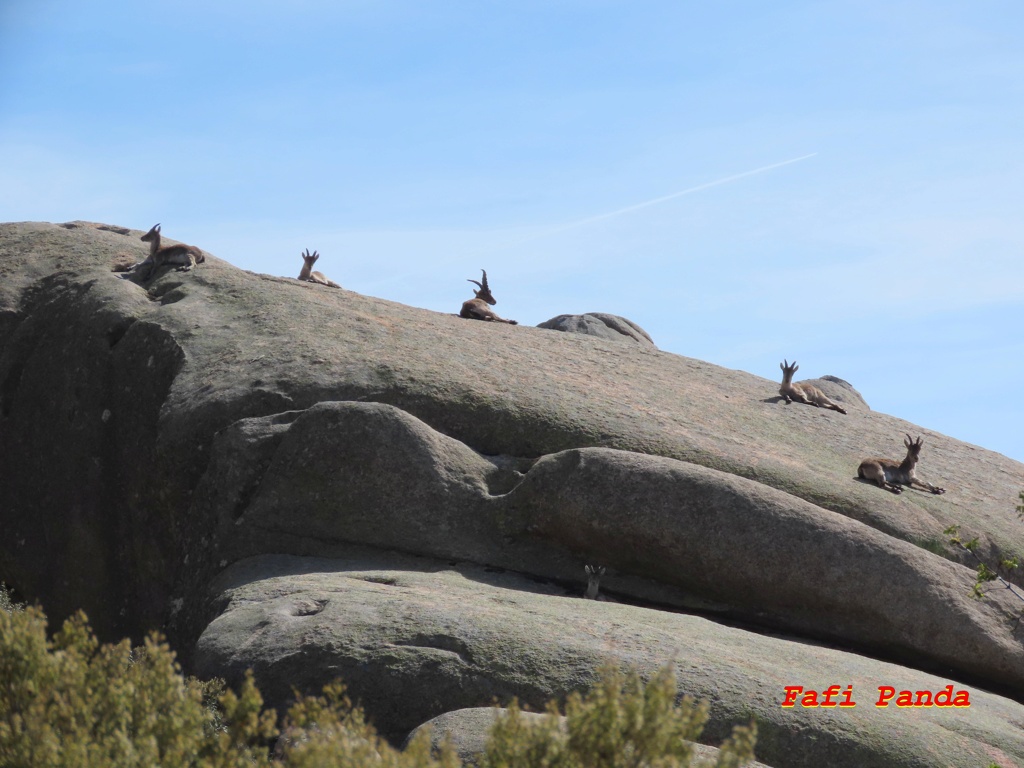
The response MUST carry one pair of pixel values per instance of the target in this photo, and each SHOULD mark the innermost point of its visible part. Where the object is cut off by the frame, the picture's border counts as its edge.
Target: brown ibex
(803, 392)
(307, 273)
(594, 574)
(186, 256)
(890, 475)
(478, 309)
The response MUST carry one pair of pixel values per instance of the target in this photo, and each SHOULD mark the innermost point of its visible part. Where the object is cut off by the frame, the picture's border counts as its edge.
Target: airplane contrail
(655, 201)
(589, 220)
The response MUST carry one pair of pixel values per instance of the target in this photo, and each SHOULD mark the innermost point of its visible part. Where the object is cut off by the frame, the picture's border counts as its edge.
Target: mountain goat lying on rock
(478, 309)
(185, 256)
(803, 392)
(594, 574)
(307, 273)
(891, 476)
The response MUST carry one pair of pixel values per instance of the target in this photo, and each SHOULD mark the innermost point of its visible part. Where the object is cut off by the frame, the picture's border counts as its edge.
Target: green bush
(69, 701)
(7, 602)
(621, 723)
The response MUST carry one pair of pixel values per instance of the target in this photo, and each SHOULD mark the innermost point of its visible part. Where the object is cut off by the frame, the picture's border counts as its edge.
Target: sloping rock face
(708, 534)
(418, 639)
(602, 325)
(153, 435)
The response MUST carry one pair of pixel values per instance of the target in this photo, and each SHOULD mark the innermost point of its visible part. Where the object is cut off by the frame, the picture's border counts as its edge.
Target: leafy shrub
(68, 701)
(7, 602)
(328, 730)
(621, 723)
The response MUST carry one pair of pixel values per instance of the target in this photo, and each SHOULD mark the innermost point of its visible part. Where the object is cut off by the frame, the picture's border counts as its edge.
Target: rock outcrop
(312, 482)
(839, 391)
(415, 639)
(602, 325)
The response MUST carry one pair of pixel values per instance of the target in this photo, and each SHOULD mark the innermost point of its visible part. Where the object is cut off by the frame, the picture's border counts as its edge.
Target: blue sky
(414, 143)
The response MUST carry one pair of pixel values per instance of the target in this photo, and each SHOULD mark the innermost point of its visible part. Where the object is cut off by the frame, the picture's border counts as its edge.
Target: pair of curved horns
(483, 285)
(307, 255)
(785, 364)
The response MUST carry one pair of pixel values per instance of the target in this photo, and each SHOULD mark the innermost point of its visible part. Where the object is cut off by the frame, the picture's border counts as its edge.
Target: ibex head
(594, 574)
(787, 368)
(153, 232)
(484, 293)
(310, 258)
(913, 446)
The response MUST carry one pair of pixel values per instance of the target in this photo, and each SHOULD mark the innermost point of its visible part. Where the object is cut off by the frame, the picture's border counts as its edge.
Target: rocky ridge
(304, 479)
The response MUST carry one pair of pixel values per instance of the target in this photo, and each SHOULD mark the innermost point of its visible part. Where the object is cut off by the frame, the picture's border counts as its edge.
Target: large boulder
(839, 391)
(602, 325)
(414, 639)
(153, 433)
(372, 474)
